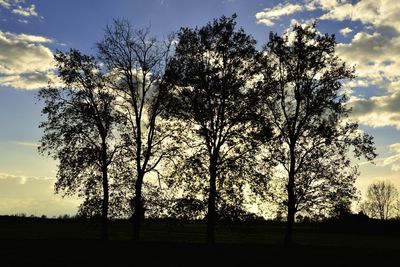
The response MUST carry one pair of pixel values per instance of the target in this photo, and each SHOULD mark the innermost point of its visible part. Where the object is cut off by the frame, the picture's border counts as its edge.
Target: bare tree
(303, 100)
(381, 200)
(137, 62)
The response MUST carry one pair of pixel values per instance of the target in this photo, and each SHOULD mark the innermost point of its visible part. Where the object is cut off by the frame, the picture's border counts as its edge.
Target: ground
(75, 243)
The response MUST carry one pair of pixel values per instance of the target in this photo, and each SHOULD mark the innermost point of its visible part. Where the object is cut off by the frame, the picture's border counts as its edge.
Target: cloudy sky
(367, 31)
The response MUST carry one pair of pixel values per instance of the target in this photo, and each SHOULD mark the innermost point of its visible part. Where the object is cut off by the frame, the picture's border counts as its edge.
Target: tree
(381, 200)
(303, 100)
(137, 62)
(397, 209)
(188, 209)
(210, 78)
(120, 189)
(80, 128)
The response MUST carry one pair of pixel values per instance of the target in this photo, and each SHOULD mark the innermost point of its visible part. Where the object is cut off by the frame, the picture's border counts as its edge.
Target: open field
(74, 243)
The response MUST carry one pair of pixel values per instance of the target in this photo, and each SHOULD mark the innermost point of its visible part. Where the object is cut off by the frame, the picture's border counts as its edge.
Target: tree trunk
(290, 220)
(105, 204)
(211, 213)
(138, 206)
(291, 201)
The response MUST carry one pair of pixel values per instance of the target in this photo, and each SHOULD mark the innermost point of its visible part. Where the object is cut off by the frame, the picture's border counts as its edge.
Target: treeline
(345, 223)
(201, 124)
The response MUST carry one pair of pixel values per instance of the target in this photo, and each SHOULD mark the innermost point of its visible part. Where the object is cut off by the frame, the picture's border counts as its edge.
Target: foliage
(188, 209)
(80, 130)
(207, 131)
(210, 76)
(303, 100)
(136, 62)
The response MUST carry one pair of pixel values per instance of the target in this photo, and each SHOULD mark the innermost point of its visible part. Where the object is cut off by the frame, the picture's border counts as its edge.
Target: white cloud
(269, 15)
(374, 51)
(322, 4)
(24, 60)
(377, 111)
(357, 83)
(376, 12)
(376, 56)
(5, 3)
(393, 160)
(340, 13)
(25, 11)
(346, 31)
(27, 144)
(21, 193)
(22, 178)
(28, 82)
(24, 21)
(28, 38)
(19, 8)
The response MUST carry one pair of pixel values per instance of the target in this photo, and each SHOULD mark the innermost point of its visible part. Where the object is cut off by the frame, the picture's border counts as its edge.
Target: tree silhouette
(80, 126)
(211, 74)
(187, 209)
(137, 62)
(120, 186)
(303, 100)
(381, 200)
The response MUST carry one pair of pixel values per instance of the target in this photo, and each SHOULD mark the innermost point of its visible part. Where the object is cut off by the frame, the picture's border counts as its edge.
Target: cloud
(376, 56)
(378, 13)
(346, 31)
(29, 82)
(323, 4)
(377, 111)
(27, 144)
(24, 21)
(18, 8)
(394, 159)
(269, 15)
(25, 12)
(32, 195)
(22, 178)
(375, 12)
(25, 61)
(374, 50)
(5, 3)
(29, 38)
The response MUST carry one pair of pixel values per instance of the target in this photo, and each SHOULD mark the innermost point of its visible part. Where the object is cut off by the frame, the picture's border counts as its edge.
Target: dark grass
(75, 243)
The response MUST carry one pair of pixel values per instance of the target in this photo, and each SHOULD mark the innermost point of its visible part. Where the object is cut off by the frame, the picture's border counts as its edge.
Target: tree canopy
(381, 200)
(211, 74)
(136, 61)
(302, 98)
(80, 130)
(207, 118)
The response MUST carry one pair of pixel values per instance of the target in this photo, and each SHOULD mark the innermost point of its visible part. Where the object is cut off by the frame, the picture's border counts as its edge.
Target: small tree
(137, 62)
(397, 209)
(381, 200)
(210, 76)
(303, 100)
(80, 129)
(188, 209)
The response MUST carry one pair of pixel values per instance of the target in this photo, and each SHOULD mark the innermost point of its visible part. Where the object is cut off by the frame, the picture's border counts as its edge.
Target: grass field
(75, 243)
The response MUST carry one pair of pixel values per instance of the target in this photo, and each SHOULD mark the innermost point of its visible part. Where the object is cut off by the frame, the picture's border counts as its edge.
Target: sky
(367, 32)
